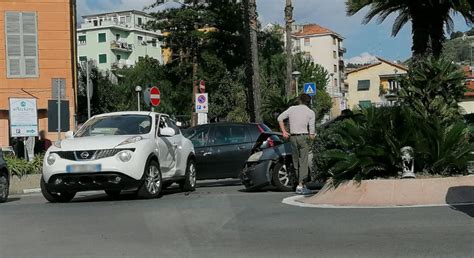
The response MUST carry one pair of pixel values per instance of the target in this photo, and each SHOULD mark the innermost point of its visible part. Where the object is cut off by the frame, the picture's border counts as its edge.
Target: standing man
(302, 127)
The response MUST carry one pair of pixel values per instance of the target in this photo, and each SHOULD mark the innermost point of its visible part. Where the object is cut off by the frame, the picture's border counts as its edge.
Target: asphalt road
(221, 221)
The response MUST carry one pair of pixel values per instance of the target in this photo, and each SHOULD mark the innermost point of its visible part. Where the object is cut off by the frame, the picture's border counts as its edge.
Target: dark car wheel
(4, 188)
(55, 197)
(189, 183)
(114, 194)
(153, 181)
(282, 178)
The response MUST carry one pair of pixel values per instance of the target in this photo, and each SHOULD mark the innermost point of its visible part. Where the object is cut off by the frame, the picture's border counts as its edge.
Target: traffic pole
(59, 108)
(88, 90)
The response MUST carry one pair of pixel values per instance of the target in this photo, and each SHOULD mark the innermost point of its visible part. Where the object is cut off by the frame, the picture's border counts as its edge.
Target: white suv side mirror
(69, 135)
(167, 132)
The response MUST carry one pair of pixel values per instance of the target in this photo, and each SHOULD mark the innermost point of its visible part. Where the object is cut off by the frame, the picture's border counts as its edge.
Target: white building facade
(324, 47)
(117, 40)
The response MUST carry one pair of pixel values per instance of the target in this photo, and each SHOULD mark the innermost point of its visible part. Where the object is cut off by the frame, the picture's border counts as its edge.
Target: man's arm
(281, 119)
(312, 125)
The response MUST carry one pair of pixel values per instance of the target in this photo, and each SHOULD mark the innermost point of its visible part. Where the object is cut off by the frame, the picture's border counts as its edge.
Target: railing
(118, 45)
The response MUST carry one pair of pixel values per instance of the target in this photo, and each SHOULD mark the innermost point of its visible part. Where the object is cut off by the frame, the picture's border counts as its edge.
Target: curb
(293, 200)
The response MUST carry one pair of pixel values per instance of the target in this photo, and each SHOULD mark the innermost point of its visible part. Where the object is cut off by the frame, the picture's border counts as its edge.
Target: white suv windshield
(116, 125)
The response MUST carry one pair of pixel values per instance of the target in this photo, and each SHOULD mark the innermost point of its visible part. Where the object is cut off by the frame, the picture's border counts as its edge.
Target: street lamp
(138, 90)
(296, 75)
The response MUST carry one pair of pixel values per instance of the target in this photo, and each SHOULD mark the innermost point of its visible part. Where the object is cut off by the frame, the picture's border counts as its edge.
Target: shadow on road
(458, 195)
(12, 199)
(219, 183)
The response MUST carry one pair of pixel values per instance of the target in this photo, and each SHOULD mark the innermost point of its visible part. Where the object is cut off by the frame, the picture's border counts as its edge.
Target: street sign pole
(59, 108)
(88, 90)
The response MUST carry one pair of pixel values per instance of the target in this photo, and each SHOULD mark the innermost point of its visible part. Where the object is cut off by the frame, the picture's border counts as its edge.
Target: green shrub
(21, 167)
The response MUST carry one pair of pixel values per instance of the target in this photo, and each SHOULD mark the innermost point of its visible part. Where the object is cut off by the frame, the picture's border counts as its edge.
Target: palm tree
(429, 19)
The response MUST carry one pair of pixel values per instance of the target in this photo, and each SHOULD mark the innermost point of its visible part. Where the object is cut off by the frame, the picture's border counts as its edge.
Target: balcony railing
(122, 46)
(342, 49)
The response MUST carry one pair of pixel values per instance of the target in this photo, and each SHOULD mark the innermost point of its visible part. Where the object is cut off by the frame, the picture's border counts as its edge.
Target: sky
(363, 42)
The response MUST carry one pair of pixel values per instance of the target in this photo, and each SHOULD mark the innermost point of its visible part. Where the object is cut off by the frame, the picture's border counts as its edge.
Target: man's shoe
(306, 191)
(299, 190)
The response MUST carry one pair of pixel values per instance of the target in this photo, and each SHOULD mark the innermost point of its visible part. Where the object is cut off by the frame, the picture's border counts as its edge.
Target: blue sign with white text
(310, 88)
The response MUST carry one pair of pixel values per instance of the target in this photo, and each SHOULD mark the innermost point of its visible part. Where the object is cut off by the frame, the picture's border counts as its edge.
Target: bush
(21, 167)
(369, 146)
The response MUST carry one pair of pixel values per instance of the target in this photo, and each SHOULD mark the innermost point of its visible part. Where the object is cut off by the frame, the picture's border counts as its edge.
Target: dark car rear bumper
(256, 175)
(92, 181)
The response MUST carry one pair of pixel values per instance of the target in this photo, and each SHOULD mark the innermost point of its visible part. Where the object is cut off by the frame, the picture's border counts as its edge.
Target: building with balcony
(468, 101)
(324, 47)
(37, 46)
(374, 84)
(117, 39)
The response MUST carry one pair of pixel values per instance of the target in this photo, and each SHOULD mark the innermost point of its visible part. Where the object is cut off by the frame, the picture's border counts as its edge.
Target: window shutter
(22, 44)
(13, 37)
(30, 44)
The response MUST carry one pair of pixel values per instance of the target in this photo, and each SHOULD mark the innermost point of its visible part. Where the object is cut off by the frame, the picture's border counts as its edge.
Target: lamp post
(296, 75)
(138, 90)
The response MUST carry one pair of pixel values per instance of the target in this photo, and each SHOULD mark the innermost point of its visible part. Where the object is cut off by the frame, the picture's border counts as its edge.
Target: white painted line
(293, 200)
(34, 190)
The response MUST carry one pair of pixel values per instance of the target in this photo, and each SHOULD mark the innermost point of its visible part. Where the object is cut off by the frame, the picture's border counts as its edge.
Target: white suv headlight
(255, 157)
(51, 159)
(125, 156)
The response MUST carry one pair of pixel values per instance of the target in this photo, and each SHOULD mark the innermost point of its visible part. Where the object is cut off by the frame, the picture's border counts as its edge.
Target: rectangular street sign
(23, 117)
(202, 103)
(310, 88)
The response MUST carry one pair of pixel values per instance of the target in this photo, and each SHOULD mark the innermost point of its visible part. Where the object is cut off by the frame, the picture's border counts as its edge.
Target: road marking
(293, 200)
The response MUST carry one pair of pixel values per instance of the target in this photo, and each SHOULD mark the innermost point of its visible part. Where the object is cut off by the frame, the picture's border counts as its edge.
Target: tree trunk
(420, 32)
(253, 73)
(289, 46)
(439, 15)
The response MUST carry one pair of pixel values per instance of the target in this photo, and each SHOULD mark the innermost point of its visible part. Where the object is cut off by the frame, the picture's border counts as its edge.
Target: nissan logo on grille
(85, 155)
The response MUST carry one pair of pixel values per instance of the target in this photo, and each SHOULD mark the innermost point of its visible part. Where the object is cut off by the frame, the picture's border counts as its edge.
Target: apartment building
(117, 39)
(374, 84)
(324, 47)
(36, 49)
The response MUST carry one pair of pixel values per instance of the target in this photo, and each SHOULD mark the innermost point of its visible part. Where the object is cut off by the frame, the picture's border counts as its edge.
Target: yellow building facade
(374, 84)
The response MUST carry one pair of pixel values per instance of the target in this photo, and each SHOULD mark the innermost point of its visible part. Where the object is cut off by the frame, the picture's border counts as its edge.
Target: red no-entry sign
(155, 98)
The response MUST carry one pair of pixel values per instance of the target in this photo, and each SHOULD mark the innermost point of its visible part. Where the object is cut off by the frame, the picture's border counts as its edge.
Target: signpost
(155, 96)
(202, 103)
(202, 86)
(310, 88)
(23, 118)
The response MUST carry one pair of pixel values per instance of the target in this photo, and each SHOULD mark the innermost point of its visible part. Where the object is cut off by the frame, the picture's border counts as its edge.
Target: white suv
(124, 151)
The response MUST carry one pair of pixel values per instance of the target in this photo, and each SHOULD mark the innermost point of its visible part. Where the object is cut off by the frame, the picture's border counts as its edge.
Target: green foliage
(21, 167)
(458, 50)
(274, 105)
(426, 118)
(433, 87)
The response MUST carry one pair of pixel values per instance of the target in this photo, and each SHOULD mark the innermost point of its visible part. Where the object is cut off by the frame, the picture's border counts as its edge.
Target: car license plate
(83, 168)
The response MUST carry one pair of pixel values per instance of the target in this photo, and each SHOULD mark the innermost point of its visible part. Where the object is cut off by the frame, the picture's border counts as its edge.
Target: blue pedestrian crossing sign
(310, 88)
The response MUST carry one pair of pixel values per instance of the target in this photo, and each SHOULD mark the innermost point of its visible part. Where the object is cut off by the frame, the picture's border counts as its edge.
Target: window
(236, 134)
(116, 125)
(139, 21)
(365, 103)
(119, 57)
(335, 83)
(307, 42)
(102, 58)
(102, 37)
(129, 19)
(334, 41)
(153, 42)
(140, 39)
(83, 58)
(335, 68)
(122, 19)
(363, 85)
(82, 40)
(95, 23)
(334, 54)
(21, 44)
(167, 122)
(198, 135)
